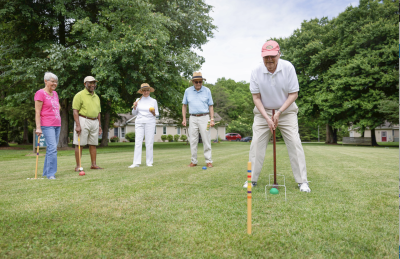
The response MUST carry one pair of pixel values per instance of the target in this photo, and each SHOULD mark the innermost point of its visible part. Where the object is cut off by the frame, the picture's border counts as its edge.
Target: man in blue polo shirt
(201, 111)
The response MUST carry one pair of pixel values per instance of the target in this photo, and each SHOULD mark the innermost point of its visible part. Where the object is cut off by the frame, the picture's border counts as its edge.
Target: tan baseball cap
(89, 79)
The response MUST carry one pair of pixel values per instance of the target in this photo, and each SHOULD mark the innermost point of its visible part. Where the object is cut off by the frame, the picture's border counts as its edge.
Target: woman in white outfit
(146, 110)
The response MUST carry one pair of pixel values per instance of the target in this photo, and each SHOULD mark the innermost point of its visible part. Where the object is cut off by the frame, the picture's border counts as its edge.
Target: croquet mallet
(37, 156)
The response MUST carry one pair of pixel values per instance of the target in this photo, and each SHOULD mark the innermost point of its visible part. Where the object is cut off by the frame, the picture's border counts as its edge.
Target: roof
(386, 125)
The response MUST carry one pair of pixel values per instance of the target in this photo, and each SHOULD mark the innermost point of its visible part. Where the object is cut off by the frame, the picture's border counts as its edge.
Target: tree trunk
(331, 135)
(373, 138)
(328, 138)
(105, 127)
(25, 139)
(334, 136)
(4, 132)
(63, 142)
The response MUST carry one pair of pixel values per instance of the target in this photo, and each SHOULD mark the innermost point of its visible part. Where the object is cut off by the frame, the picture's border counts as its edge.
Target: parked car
(246, 139)
(233, 137)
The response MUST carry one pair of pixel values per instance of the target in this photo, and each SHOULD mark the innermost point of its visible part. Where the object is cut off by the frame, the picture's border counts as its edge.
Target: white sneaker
(149, 165)
(253, 184)
(304, 187)
(133, 166)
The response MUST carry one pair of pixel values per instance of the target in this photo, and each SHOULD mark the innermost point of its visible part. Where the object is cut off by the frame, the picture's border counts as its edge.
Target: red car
(233, 137)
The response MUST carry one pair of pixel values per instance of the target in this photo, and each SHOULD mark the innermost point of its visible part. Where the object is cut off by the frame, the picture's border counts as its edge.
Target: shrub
(176, 138)
(163, 138)
(170, 138)
(183, 137)
(114, 139)
(130, 136)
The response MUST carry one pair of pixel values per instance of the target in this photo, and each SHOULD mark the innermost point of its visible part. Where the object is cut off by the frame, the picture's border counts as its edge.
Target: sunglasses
(197, 82)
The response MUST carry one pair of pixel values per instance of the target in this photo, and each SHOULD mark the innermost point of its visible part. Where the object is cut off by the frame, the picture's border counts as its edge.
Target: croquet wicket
(249, 185)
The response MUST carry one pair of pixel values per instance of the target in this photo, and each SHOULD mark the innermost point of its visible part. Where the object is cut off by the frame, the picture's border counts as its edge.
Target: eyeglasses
(91, 84)
(197, 82)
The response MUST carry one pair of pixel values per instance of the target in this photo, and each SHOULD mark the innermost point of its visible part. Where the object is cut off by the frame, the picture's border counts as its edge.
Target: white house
(164, 126)
(387, 132)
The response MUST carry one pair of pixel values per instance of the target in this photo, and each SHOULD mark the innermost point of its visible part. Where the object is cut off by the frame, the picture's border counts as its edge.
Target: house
(164, 126)
(386, 132)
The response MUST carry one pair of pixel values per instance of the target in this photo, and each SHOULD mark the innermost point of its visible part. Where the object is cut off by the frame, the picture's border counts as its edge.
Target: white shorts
(89, 132)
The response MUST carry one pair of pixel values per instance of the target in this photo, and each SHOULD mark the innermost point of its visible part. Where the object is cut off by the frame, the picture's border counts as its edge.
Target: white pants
(288, 125)
(144, 130)
(196, 125)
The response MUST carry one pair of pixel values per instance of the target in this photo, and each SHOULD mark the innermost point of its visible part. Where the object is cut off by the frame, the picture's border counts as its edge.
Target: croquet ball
(81, 173)
(273, 191)
(151, 109)
(204, 168)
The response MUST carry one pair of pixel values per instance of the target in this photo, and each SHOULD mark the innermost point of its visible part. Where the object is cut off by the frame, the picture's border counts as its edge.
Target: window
(122, 132)
(116, 132)
(178, 131)
(164, 130)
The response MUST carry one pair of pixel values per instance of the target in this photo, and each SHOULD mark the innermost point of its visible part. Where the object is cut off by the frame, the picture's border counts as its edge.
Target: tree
(121, 43)
(347, 65)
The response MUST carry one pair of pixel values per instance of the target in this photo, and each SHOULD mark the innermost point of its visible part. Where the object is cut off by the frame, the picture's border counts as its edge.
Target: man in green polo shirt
(86, 108)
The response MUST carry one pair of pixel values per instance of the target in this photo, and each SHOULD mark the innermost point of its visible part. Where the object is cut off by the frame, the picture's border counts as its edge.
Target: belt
(93, 119)
(199, 114)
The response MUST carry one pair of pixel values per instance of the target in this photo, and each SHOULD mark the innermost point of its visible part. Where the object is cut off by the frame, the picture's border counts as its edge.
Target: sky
(244, 25)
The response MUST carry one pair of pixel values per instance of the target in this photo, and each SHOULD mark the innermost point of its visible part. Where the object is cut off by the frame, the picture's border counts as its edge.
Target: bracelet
(279, 111)
(212, 119)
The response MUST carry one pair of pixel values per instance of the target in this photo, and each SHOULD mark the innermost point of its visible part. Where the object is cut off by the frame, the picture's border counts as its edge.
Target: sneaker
(149, 165)
(253, 184)
(304, 187)
(133, 166)
(52, 178)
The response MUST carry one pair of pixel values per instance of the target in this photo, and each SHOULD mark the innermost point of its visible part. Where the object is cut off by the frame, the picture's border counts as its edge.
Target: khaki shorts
(89, 132)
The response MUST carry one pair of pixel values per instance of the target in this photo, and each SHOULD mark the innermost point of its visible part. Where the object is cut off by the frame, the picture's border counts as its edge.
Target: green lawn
(172, 211)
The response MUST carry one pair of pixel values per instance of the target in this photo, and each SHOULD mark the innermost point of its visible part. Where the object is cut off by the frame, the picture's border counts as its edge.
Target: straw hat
(197, 75)
(145, 86)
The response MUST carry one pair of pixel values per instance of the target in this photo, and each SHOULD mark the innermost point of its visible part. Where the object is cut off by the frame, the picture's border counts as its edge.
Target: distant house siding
(392, 134)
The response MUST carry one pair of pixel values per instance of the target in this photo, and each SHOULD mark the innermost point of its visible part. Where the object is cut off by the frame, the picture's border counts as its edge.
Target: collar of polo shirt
(201, 89)
(278, 68)
(87, 92)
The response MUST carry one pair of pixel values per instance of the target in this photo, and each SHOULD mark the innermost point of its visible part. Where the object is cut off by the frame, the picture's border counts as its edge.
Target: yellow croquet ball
(151, 109)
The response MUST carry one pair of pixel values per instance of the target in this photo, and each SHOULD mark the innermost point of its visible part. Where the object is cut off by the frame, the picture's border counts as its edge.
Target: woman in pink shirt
(48, 121)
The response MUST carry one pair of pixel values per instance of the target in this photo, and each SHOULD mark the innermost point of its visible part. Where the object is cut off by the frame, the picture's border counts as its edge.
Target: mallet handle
(79, 151)
(273, 113)
(37, 156)
(249, 184)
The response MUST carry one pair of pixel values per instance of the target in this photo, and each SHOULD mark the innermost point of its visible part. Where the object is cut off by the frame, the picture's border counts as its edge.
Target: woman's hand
(134, 105)
(151, 109)
(38, 132)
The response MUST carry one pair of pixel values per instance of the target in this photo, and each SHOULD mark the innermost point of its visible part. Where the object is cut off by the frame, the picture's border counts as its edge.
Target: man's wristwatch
(279, 111)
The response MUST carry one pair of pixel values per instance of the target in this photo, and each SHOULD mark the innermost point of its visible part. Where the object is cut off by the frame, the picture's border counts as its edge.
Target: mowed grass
(172, 211)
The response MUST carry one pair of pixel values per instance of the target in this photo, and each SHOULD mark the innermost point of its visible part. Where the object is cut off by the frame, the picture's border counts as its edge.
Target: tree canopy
(121, 43)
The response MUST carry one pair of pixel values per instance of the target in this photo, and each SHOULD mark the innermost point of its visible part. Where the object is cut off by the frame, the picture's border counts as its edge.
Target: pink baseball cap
(270, 48)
